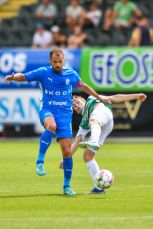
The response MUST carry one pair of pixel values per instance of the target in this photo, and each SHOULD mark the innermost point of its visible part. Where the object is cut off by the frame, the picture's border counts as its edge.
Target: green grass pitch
(28, 201)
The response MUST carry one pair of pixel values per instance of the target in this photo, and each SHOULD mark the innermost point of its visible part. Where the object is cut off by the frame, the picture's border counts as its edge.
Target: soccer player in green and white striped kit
(97, 118)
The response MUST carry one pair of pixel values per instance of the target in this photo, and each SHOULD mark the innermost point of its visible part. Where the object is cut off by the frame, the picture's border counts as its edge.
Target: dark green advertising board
(118, 69)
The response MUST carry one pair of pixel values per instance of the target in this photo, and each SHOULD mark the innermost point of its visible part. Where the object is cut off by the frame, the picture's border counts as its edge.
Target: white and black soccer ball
(104, 179)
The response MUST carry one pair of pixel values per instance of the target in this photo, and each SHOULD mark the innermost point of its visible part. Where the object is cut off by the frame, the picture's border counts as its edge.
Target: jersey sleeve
(133, 6)
(76, 79)
(35, 75)
(117, 6)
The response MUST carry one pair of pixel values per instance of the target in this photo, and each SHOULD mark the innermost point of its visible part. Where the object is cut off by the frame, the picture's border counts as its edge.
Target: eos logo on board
(15, 62)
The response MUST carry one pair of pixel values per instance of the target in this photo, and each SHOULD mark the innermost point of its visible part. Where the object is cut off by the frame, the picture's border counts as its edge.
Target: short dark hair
(57, 51)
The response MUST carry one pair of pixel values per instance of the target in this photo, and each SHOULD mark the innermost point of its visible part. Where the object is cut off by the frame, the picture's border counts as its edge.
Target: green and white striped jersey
(88, 109)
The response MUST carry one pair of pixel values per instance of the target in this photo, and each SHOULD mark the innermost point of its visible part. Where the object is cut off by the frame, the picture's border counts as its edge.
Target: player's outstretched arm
(88, 90)
(119, 98)
(76, 144)
(16, 77)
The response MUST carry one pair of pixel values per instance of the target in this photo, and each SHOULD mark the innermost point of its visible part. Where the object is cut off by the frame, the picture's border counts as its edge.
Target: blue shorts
(63, 122)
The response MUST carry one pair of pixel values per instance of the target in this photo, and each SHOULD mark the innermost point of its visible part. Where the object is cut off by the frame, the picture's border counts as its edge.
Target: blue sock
(67, 167)
(45, 141)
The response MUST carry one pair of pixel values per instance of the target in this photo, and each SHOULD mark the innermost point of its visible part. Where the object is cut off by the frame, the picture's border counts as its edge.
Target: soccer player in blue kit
(56, 109)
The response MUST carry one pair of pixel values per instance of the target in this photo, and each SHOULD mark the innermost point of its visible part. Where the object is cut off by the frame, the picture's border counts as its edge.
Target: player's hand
(9, 78)
(61, 165)
(142, 97)
(105, 99)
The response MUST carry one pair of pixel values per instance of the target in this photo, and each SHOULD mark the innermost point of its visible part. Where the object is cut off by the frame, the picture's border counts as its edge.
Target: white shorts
(105, 118)
(121, 22)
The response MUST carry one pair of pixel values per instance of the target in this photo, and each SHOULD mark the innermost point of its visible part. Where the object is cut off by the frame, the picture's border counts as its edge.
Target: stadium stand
(19, 16)
(10, 8)
(2, 2)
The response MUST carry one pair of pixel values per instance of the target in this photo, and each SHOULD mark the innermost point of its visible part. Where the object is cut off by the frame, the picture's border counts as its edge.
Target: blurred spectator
(107, 15)
(151, 35)
(73, 12)
(86, 3)
(58, 39)
(99, 2)
(46, 12)
(92, 17)
(78, 38)
(122, 14)
(42, 38)
(141, 35)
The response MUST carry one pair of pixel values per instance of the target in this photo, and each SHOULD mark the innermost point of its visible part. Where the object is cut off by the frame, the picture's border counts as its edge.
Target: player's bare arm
(76, 144)
(16, 77)
(119, 98)
(88, 90)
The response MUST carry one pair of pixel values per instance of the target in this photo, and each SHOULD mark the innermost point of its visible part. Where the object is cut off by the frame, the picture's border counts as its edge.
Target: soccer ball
(104, 179)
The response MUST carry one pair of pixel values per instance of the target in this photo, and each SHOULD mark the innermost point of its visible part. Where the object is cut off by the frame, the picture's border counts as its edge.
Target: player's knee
(51, 127)
(88, 156)
(67, 153)
(85, 157)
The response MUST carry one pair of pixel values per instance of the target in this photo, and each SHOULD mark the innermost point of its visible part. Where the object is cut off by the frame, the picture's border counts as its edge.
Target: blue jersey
(56, 88)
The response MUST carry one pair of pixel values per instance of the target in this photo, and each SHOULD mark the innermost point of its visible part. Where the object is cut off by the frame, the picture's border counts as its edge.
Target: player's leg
(91, 163)
(106, 128)
(93, 168)
(45, 140)
(64, 136)
(95, 129)
(105, 131)
(100, 116)
(89, 154)
(65, 144)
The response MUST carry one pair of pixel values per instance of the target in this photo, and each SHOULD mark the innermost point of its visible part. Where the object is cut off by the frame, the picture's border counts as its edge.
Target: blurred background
(108, 42)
